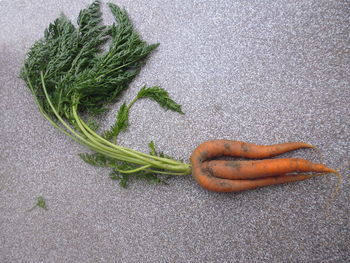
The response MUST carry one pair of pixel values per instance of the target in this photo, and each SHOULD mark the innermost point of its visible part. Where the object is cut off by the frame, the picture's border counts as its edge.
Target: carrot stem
(97, 143)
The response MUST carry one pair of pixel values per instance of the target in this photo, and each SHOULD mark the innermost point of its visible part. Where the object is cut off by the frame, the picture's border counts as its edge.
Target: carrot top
(71, 76)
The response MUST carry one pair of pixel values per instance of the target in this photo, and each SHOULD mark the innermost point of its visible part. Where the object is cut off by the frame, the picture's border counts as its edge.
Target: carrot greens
(71, 74)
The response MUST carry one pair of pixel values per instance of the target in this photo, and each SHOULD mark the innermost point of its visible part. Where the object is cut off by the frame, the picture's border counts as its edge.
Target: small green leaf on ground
(161, 96)
(40, 202)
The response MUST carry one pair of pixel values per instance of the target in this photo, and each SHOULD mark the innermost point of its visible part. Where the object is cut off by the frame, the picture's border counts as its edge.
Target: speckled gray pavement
(259, 71)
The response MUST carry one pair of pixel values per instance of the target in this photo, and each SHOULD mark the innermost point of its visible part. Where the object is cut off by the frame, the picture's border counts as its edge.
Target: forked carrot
(82, 79)
(233, 176)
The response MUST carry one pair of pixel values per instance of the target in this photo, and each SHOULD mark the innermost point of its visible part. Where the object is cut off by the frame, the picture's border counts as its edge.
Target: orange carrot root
(234, 176)
(215, 148)
(211, 183)
(229, 169)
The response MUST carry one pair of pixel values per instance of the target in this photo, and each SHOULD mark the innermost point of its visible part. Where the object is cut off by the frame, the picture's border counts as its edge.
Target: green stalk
(132, 157)
(132, 102)
(81, 140)
(159, 162)
(98, 147)
(181, 167)
(188, 172)
(102, 140)
(133, 170)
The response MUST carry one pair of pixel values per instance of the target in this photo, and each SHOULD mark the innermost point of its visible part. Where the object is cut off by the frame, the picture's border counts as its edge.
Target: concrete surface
(258, 71)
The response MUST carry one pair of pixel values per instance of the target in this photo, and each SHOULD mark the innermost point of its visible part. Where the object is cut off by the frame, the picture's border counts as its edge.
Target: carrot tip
(332, 171)
(307, 145)
(340, 182)
(335, 192)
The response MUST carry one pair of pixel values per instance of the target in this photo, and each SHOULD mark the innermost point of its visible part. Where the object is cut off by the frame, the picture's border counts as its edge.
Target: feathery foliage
(69, 73)
(161, 96)
(74, 66)
(120, 125)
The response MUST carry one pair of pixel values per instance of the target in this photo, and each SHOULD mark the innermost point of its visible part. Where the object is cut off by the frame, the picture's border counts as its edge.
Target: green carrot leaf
(93, 125)
(74, 65)
(120, 125)
(154, 152)
(152, 148)
(161, 96)
(97, 159)
(40, 202)
(125, 178)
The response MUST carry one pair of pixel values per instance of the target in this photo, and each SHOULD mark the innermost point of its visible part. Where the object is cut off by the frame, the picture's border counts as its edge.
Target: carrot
(208, 181)
(233, 176)
(215, 148)
(262, 168)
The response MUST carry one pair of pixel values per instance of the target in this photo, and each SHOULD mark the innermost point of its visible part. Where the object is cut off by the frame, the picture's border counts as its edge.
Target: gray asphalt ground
(258, 71)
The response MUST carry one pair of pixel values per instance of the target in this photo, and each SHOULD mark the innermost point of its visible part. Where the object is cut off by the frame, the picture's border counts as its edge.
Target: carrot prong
(215, 184)
(337, 189)
(253, 169)
(216, 148)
